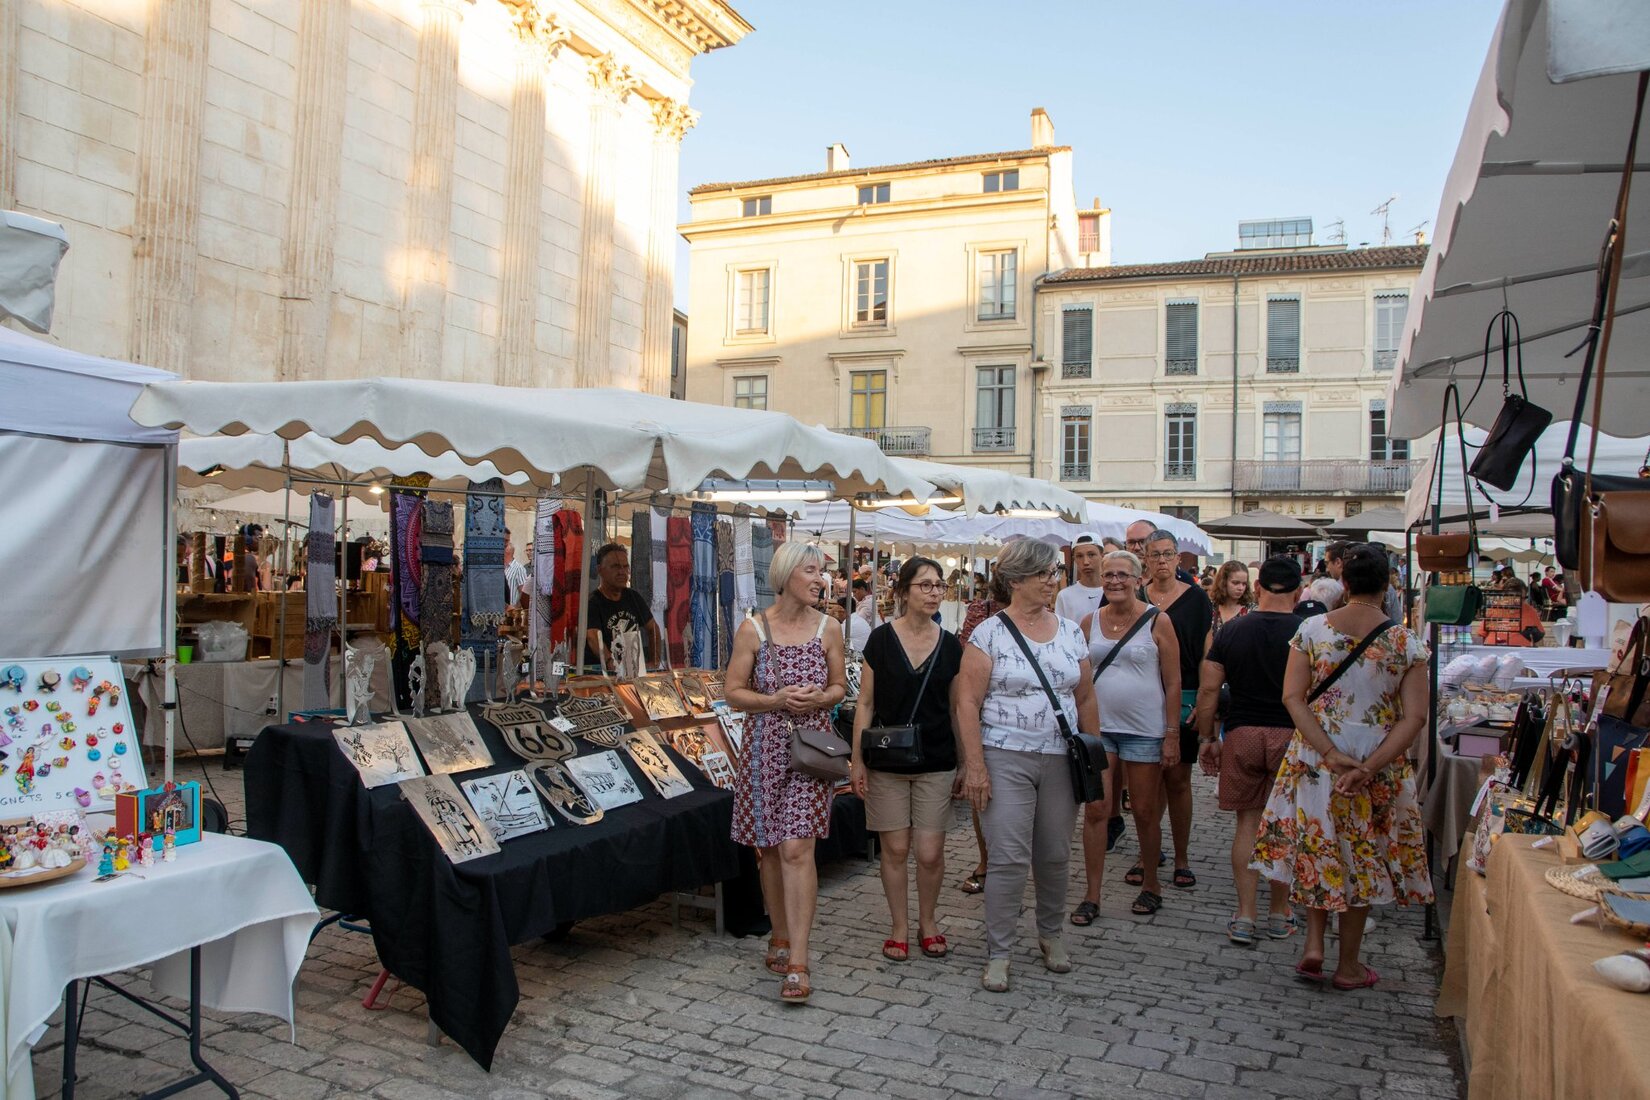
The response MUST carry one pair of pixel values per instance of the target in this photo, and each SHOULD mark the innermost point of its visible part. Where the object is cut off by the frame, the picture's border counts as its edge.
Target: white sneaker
(995, 978)
(1054, 955)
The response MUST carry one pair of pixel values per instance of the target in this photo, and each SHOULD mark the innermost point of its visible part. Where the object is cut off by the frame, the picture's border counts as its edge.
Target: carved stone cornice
(672, 31)
(672, 120)
(612, 79)
(536, 29)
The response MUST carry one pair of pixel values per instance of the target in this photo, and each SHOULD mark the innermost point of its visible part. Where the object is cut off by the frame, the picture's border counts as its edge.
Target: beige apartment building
(893, 302)
(254, 190)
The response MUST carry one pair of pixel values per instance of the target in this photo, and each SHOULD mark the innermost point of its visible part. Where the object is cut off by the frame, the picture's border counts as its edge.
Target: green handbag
(1454, 604)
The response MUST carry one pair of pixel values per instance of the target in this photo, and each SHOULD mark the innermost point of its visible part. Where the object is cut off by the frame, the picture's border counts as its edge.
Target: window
(1088, 232)
(1002, 181)
(1275, 233)
(1180, 338)
(751, 309)
(1283, 334)
(753, 208)
(868, 399)
(873, 193)
(871, 292)
(1281, 437)
(997, 285)
(750, 392)
(994, 409)
(1180, 443)
(1382, 449)
(1390, 309)
(1076, 341)
(1075, 422)
(1187, 512)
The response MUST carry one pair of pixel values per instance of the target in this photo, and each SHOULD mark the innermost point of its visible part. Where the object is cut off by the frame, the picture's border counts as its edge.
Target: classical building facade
(893, 302)
(477, 190)
(1255, 378)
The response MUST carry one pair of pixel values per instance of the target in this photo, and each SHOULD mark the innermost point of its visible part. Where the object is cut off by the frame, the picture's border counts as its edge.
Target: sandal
(896, 950)
(973, 884)
(1368, 982)
(779, 955)
(1280, 927)
(995, 978)
(795, 988)
(935, 946)
(1184, 879)
(1136, 875)
(1241, 931)
(1146, 904)
(1310, 973)
(1084, 914)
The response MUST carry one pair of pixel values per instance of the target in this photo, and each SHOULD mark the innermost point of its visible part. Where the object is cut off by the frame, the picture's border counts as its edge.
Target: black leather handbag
(1519, 423)
(1085, 753)
(887, 747)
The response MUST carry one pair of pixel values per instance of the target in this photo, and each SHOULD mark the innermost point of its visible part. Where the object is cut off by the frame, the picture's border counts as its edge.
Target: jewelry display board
(66, 736)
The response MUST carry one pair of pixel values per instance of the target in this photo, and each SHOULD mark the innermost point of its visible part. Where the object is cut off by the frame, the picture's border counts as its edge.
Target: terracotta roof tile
(1268, 263)
(885, 169)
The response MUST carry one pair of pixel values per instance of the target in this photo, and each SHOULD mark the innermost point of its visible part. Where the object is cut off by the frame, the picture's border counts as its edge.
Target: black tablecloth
(447, 928)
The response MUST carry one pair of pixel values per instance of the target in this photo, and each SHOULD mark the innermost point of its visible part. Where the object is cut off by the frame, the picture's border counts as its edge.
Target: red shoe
(889, 947)
(935, 947)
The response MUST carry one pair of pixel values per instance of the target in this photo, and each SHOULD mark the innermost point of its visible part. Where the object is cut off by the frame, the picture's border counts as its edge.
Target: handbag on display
(1628, 682)
(1453, 551)
(885, 747)
(1449, 553)
(1615, 541)
(1085, 753)
(1519, 423)
(1453, 604)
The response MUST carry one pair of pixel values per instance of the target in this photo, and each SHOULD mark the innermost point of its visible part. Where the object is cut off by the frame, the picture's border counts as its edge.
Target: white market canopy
(569, 439)
(1102, 521)
(1524, 212)
(984, 489)
(263, 461)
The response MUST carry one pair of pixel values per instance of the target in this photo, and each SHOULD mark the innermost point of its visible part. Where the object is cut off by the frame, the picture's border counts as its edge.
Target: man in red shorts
(1249, 655)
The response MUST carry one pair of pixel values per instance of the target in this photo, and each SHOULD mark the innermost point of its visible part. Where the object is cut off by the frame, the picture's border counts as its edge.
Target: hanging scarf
(564, 597)
(406, 543)
(659, 540)
(483, 581)
(436, 607)
(641, 556)
(761, 559)
(320, 603)
(744, 571)
(702, 650)
(679, 551)
(543, 581)
(724, 591)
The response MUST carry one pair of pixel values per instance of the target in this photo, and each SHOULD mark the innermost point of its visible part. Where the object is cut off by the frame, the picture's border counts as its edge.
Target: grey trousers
(1028, 827)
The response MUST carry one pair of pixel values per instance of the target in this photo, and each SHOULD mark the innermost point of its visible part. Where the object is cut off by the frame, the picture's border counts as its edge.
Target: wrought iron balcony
(1283, 365)
(1386, 360)
(1074, 471)
(1180, 471)
(1180, 366)
(893, 441)
(993, 439)
(1077, 368)
(1357, 476)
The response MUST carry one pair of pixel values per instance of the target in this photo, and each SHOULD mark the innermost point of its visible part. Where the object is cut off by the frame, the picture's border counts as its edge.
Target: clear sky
(1184, 117)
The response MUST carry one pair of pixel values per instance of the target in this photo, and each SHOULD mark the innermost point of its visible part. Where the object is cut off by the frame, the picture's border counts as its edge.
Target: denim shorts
(1134, 748)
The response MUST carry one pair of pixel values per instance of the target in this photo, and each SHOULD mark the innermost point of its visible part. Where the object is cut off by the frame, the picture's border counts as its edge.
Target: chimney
(1042, 129)
(836, 157)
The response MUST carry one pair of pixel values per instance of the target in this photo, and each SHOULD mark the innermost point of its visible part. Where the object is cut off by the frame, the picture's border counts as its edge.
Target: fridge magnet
(656, 764)
(603, 776)
(449, 818)
(381, 752)
(563, 794)
(450, 742)
(507, 804)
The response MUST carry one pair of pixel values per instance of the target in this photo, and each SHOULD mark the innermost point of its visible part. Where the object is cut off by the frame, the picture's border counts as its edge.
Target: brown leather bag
(1444, 553)
(1629, 681)
(1615, 541)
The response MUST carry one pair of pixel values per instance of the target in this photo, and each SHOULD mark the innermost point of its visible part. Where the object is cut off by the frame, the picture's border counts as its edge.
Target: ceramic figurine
(54, 857)
(171, 852)
(123, 860)
(156, 848)
(145, 850)
(106, 865)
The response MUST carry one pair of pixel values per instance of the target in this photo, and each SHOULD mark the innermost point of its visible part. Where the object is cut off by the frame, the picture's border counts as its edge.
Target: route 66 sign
(528, 732)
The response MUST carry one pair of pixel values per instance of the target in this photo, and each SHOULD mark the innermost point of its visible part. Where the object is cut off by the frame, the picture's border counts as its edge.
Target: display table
(447, 929)
(238, 901)
(1538, 1022)
(1446, 811)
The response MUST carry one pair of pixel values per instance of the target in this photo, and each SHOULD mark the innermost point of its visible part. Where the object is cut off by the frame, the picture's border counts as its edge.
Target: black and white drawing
(381, 752)
(563, 794)
(450, 743)
(718, 769)
(604, 778)
(449, 818)
(658, 697)
(656, 764)
(507, 804)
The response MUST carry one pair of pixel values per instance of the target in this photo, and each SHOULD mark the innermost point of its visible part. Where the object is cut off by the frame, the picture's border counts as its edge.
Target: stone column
(312, 191)
(430, 189)
(8, 105)
(670, 121)
(611, 84)
(539, 38)
(168, 188)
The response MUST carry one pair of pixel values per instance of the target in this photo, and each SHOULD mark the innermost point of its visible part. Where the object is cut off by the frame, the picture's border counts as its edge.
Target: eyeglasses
(928, 586)
(1118, 578)
(1047, 578)
(1163, 555)
(1135, 544)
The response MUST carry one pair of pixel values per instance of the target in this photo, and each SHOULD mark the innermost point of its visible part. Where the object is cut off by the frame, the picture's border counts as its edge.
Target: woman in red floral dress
(786, 671)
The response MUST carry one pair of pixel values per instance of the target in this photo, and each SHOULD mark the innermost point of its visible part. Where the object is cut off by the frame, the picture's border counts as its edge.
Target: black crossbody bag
(886, 747)
(1349, 660)
(1084, 752)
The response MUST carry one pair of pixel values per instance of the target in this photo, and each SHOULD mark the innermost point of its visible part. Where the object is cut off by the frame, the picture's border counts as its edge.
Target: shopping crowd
(1302, 700)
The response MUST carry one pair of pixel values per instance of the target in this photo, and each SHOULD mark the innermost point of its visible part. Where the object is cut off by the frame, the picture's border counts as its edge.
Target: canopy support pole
(169, 608)
(343, 595)
(584, 579)
(848, 563)
(286, 574)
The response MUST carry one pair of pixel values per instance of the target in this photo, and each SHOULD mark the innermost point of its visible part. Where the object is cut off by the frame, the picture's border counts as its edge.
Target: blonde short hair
(789, 557)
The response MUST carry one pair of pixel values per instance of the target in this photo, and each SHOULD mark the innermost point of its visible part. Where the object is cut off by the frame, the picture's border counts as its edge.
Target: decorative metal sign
(528, 732)
(564, 795)
(595, 719)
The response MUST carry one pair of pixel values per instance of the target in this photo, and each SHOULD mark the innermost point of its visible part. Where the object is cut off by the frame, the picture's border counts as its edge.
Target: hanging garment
(679, 551)
(564, 596)
(436, 608)
(724, 592)
(543, 582)
(702, 647)
(660, 603)
(482, 602)
(641, 555)
(779, 528)
(761, 560)
(406, 544)
(744, 571)
(320, 603)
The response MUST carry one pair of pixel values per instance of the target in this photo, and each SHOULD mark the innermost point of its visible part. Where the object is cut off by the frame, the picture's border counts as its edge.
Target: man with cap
(1249, 655)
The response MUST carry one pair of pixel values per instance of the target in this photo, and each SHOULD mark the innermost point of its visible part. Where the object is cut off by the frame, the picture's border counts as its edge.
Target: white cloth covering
(240, 900)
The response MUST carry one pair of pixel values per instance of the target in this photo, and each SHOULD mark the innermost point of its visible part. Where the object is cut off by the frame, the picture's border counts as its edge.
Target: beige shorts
(920, 801)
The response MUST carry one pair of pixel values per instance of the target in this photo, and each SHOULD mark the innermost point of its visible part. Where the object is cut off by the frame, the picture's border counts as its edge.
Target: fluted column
(430, 189)
(312, 190)
(539, 37)
(612, 84)
(8, 105)
(168, 186)
(671, 120)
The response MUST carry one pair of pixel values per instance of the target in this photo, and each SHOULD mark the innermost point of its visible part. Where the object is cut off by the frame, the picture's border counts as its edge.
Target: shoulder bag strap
(1105, 662)
(933, 659)
(1053, 700)
(1349, 660)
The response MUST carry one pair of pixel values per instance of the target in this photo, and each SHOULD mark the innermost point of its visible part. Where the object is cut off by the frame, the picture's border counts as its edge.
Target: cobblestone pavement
(629, 1006)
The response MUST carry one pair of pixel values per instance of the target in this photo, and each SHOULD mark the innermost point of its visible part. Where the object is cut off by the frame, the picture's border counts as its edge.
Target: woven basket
(1563, 879)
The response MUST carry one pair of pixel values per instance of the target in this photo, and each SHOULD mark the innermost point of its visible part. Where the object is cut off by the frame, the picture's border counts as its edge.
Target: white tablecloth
(240, 900)
(1543, 660)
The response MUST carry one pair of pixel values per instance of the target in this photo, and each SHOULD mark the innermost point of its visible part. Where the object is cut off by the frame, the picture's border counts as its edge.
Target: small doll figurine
(171, 844)
(123, 860)
(156, 854)
(5, 853)
(145, 851)
(106, 865)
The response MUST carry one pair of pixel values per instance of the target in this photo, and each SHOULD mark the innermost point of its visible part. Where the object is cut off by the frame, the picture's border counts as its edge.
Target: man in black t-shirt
(1249, 655)
(619, 617)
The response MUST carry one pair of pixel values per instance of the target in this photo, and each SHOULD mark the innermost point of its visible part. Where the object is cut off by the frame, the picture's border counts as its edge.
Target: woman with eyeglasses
(1138, 693)
(910, 664)
(1015, 771)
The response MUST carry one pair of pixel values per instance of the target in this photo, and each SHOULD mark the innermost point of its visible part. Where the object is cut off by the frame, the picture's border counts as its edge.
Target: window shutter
(1076, 341)
(1180, 338)
(1283, 329)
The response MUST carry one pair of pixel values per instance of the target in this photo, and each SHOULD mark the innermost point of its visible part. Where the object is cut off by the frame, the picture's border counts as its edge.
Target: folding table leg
(71, 1035)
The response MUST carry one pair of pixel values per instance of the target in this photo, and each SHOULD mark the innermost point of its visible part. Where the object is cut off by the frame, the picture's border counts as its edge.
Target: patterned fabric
(564, 596)
(1224, 617)
(771, 802)
(679, 561)
(1340, 851)
(724, 592)
(406, 541)
(544, 581)
(1015, 713)
(436, 556)
(320, 603)
(744, 571)
(482, 607)
(977, 612)
(641, 556)
(659, 539)
(761, 559)
(702, 643)
(779, 527)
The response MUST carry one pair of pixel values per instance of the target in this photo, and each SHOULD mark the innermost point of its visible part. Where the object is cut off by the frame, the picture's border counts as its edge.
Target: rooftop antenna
(1335, 232)
(1419, 232)
(1384, 211)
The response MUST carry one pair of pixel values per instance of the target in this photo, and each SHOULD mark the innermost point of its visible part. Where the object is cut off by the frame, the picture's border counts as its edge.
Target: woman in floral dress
(1343, 824)
(786, 671)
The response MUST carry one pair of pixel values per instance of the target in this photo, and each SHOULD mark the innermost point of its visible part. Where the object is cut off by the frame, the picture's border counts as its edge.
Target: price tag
(561, 724)
(558, 668)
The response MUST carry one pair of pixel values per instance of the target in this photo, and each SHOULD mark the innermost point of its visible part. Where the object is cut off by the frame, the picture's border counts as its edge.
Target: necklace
(1365, 603)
